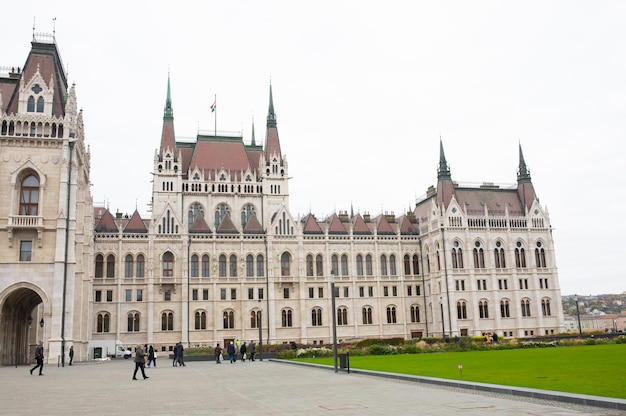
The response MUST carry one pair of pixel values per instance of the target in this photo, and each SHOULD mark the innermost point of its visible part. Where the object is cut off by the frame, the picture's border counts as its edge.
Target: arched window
(344, 265)
(128, 266)
(194, 211)
(479, 256)
(249, 265)
(334, 265)
(246, 213)
(383, 265)
(540, 256)
(29, 196)
(232, 263)
(99, 272)
(545, 307)
(369, 270)
(200, 320)
(407, 265)
(319, 265)
(309, 265)
(229, 319)
(40, 105)
(505, 310)
(30, 105)
(391, 315)
(195, 265)
(498, 256)
(392, 265)
(461, 310)
(316, 317)
(168, 264)
(286, 316)
(133, 322)
(110, 265)
(255, 318)
(483, 309)
(342, 316)
(520, 256)
(260, 266)
(140, 265)
(457, 256)
(285, 264)
(367, 315)
(205, 265)
(525, 307)
(221, 211)
(103, 322)
(415, 313)
(222, 262)
(416, 265)
(167, 321)
(359, 265)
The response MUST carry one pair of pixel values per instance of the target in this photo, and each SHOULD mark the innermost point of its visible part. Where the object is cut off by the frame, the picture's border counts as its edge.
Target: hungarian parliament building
(221, 256)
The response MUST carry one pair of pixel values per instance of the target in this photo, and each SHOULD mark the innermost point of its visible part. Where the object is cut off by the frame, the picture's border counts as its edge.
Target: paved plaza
(250, 388)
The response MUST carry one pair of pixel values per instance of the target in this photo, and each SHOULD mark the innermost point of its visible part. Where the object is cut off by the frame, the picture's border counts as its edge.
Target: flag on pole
(213, 106)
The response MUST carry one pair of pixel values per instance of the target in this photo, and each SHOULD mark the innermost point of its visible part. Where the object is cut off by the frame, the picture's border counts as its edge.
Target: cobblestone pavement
(250, 388)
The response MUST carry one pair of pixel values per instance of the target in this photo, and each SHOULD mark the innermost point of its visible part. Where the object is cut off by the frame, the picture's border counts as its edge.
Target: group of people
(179, 351)
(233, 349)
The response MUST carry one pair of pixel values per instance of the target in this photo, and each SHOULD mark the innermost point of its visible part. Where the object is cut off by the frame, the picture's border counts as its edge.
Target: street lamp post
(332, 302)
(260, 322)
(580, 328)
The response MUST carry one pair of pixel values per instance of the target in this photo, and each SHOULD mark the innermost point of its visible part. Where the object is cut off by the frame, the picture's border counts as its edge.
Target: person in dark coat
(231, 352)
(252, 349)
(71, 354)
(39, 358)
(242, 351)
(218, 353)
(151, 356)
(140, 359)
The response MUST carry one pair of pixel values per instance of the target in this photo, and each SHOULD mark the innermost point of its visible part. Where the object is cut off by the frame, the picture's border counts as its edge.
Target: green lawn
(591, 369)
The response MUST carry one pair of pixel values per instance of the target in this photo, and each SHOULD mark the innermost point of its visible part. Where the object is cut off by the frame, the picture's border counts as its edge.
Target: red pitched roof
(360, 227)
(214, 153)
(335, 225)
(383, 226)
(106, 223)
(311, 226)
(200, 226)
(407, 226)
(253, 226)
(136, 224)
(45, 57)
(227, 226)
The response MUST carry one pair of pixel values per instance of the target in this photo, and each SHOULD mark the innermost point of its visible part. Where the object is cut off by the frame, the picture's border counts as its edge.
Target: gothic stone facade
(222, 258)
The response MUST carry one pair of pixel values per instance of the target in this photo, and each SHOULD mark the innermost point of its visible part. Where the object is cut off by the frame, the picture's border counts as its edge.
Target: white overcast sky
(363, 91)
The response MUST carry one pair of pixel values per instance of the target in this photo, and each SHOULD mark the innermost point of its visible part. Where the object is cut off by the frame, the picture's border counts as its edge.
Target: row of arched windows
(499, 257)
(31, 129)
(505, 309)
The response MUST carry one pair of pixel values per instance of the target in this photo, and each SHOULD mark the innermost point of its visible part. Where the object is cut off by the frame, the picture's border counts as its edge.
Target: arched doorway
(19, 325)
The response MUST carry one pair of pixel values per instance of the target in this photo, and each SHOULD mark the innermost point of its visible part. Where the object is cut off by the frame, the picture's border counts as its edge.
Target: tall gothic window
(168, 264)
(285, 264)
(29, 196)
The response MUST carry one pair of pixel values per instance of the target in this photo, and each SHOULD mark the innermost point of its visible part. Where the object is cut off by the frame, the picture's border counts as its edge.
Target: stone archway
(19, 321)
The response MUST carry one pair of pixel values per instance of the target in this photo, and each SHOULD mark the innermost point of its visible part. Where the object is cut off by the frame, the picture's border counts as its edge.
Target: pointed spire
(522, 173)
(271, 116)
(168, 111)
(444, 170)
(253, 140)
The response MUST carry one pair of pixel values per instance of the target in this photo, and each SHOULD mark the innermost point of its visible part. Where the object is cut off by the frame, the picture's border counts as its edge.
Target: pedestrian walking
(71, 354)
(252, 349)
(151, 356)
(140, 360)
(231, 352)
(175, 361)
(39, 358)
(179, 352)
(218, 354)
(243, 350)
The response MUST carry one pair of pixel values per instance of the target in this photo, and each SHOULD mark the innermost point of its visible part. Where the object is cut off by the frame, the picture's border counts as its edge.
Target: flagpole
(215, 111)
